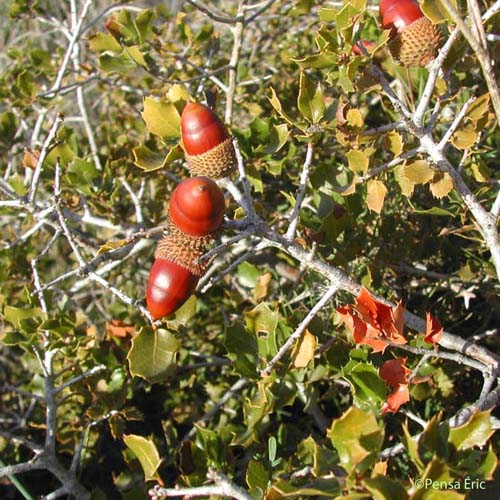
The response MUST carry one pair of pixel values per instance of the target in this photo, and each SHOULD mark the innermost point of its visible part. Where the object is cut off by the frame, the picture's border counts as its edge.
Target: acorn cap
(216, 163)
(417, 44)
(195, 243)
(170, 248)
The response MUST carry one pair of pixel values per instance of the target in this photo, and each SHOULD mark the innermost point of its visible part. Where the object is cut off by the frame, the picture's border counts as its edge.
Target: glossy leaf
(162, 118)
(145, 450)
(153, 354)
(310, 101)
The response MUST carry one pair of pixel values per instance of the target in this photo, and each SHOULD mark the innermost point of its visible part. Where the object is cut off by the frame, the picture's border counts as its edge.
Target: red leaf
(398, 318)
(366, 306)
(398, 397)
(117, 328)
(433, 329)
(362, 333)
(394, 372)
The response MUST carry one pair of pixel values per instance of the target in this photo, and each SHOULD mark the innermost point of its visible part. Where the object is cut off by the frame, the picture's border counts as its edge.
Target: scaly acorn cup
(169, 286)
(207, 144)
(176, 248)
(414, 40)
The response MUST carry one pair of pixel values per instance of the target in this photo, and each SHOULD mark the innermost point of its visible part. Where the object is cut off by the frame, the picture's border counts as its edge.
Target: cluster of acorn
(196, 211)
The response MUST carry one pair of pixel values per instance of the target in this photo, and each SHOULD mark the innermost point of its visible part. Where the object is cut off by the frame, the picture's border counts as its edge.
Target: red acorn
(414, 40)
(197, 206)
(169, 286)
(207, 143)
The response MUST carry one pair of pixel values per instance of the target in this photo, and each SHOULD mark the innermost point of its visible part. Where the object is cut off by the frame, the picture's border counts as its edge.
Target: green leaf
(276, 104)
(120, 63)
(257, 478)
(242, 349)
(136, 55)
(325, 488)
(434, 440)
(149, 160)
(369, 389)
(144, 25)
(385, 488)
(475, 432)
(182, 315)
(436, 11)
(162, 118)
(153, 354)
(248, 275)
(15, 315)
(310, 100)
(277, 139)
(411, 446)
(101, 42)
(358, 438)
(262, 321)
(84, 176)
(145, 450)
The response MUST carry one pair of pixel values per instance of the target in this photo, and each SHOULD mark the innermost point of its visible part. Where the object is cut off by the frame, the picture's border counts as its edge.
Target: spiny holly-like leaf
(358, 437)
(436, 11)
(394, 371)
(433, 329)
(304, 351)
(276, 104)
(441, 185)
(479, 108)
(475, 432)
(418, 172)
(376, 192)
(465, 137)
(149, 160)
(101, 42)
(358, 161)
(385, 488)
(394, 142)
(369, 391)
(406, 185)
(162, 118)
(153, 354)
(277, 139)
(322, 487)
(177, 93)
(399, 396)
(310, 101)
(145, 450)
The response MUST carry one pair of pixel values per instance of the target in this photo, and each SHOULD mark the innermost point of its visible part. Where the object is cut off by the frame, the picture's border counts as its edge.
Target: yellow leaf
(111, 245)
(480, 172)
(441, 185)
(355, 118)
(479, 108)
(178, 92)
(260, 290)
(394, 143)
(376, 192)
(405, 184)
(304, 351)
(358, 161)
(419, 172)
(162, 118)
(465, 137)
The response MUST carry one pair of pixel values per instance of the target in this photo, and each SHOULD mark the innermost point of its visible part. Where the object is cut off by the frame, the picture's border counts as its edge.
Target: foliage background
(95, 398)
